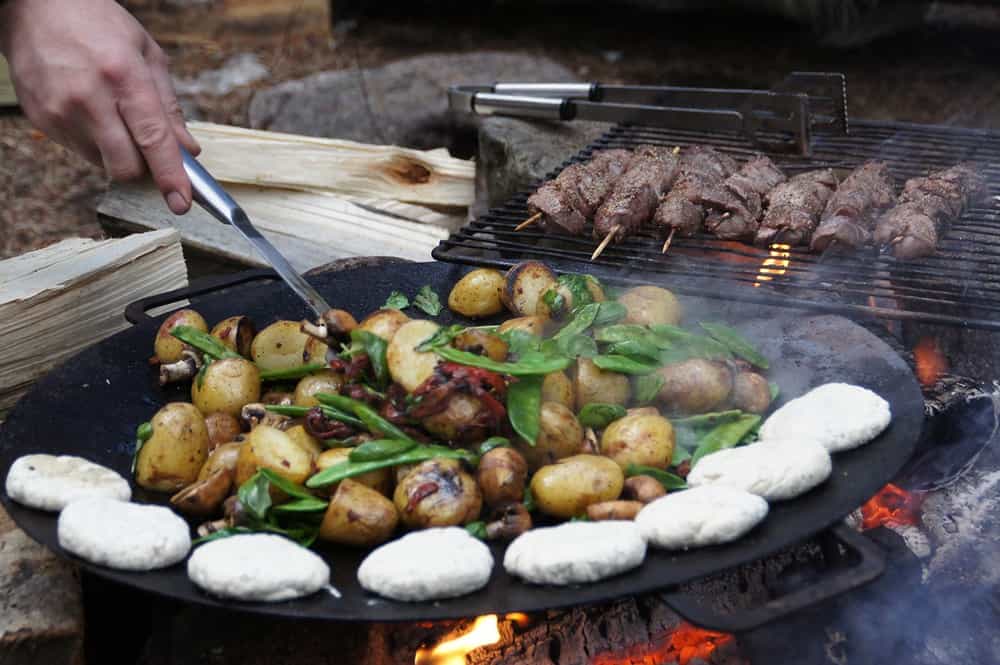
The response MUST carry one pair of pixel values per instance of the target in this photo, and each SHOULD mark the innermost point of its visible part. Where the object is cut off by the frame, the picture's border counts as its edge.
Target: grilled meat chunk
(702, 168)
(736, 206)
(850, 214)
(634, 198)
(926, 206)
(557, 205)
(567, 201)
(599, 176)
(794, 208)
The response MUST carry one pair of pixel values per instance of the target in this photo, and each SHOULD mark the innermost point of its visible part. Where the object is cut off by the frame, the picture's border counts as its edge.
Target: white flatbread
(257, 567)
(575, 552)
(838, 416)
(51, 482)
(433, 563)
(124, 536)
(709, 515)
(775, 469)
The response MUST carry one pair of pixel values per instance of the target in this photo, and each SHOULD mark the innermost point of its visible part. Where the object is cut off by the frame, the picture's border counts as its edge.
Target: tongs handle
(207, 191)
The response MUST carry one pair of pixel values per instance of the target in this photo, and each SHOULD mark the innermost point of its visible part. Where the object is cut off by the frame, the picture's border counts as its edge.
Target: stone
(239, 70)
(41, 607)
(403, 103)
(515, 153)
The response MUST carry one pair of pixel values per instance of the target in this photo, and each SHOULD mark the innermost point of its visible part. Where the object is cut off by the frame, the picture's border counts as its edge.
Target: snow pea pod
(296, 372)
(709, 419)
(665, 478)
(530, 364)
(599, 416)
(348, 469)
(372, 451)
(725, 435)
(735, 342)
(623, 364)
(207, 344)
(524, 407)
(375, 423)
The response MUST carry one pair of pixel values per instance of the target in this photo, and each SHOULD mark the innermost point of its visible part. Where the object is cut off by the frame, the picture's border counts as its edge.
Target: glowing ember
(518, 618)
(776, 264)
(484, 631)
(685, 644)
(930, 361)
(892, 505)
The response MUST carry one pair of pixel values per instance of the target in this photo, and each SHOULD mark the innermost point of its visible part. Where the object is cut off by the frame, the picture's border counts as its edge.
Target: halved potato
(168, 348)
(533, 325)
(482, 343)
(270, 448)
(358, 515)
(407, 366)
(380, 480)
(300, 435)
(477, 294)
(524, 285)
(222, 458)
(236, 332)
(326, 381)
(279, 346)
(315, 351)
(384, 323)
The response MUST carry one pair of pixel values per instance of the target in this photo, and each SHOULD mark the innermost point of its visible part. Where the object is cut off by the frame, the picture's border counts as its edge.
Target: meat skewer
(567, 201)
(794, 208)
(681, 211)
(737, 205)
(635, 196)
(850, 214)
(926, 206)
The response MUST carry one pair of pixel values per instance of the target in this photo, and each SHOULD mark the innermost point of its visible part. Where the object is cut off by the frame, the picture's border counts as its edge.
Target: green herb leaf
(427, 301)
(577, 287)
(371, 451)
(681, 455)
(255, 497)
(529, 499)
(310, 505)
(524, 407)
(735, 342)
(599, 416)
(221, 533)
(647, 387)
(623, 364)
(555, 302)
(529, 364)
(292, 372)
(375, 347)
(396, 300)
(725, 435)
(142, 434)
(580, 518)
(685, 439)
(775, 390)
(476, 530)
(493, 442)
(285, 485)
(609, 312)
(441, 337)
(207, 344)
(669, 481)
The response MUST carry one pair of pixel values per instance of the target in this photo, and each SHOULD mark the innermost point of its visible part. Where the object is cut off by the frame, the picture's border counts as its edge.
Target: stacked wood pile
(7, 96)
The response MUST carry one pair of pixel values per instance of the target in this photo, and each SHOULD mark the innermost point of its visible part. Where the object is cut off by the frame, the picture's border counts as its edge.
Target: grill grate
(959, 285)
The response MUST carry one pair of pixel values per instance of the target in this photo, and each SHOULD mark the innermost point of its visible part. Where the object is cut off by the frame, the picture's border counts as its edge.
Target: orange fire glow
(892, 505)
(930, 361)
(776, 264)
(484, 631)
(685, 644)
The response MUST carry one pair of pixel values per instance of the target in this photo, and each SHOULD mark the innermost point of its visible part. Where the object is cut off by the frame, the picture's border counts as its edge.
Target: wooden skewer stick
(528, 222)
(604, 243)
(670, 239)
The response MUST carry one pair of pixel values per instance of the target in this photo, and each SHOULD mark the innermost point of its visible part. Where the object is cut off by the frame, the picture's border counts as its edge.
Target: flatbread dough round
(51, 482)
(838, 416)
(709, 515)
(575, 552)
(124, 536)
(773, 469)
(425, 565)
(258, 567)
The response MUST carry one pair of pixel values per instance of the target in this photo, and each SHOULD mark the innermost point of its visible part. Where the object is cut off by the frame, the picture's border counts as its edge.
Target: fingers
(140, 106)
(158, 67)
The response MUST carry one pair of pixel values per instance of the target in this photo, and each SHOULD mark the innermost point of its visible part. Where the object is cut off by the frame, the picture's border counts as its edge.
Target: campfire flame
(485, 630)
(686, 644)
(891, 506)
(930, 360)
(776, 264)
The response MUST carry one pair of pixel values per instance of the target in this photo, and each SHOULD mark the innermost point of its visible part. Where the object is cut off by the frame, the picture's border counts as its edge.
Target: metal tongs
(780, 119)
(210, 195)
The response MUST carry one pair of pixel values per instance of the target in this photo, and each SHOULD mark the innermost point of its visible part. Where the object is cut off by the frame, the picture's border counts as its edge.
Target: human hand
(89, 76)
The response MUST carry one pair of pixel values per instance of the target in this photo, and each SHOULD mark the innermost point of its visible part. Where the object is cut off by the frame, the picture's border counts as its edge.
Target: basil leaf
(665, 478)
(775, 390)
(396, 300)
(623, 364)
(555, 302)
(493, 442)
(647, 387)
(375, 347)
(680, 455)
(441, 337)
(599, 416)
(142, 434)
(292, 372)
(371, 451)
(520, 342)
(725, 435)
(285, 485)
(524, 407)
(255, 496)
(735, 342)
(310, 505)
(529, 364)
(609, 312)
(221, 533)
(577, 287)
(427, 301)
(476, 530)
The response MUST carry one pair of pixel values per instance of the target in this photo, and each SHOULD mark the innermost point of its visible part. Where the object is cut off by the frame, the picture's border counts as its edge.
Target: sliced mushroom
(204, 497)
(256, 414)
(644, 489)
(614, 510)
(185, 368)
(508, 522)
(336, 325)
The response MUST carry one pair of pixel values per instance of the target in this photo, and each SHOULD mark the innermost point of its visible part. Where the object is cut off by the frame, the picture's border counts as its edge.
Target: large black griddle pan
(91, 405)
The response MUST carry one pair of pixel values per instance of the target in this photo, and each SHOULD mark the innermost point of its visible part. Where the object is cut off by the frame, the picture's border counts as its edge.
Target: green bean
(292, 372)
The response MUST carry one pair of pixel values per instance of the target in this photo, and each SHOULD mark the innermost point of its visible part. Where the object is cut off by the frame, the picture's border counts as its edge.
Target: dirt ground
(941, 73)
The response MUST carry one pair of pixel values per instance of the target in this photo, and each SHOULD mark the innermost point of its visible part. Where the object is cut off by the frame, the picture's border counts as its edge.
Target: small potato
(651, 305)
(438, 493)
(226, 386)
(277, 398)
(751, 392)
(380, 480)
(175, 452)
(643, 439)
(524, 285)
(560, 435)
(482, 343)
(695, 386)
(301, 436)
(384, 323)
(461, 421)
(204, 498)
(644, 489)
(168, 348)
(556, 387)
(222, 428)
(326, 381)
(407, 366)
(566, 488)
(502, 475)
(613, 510)
(270, 448)
(477, 294)
(279, 346)
(315, 351)
(236, 333)
(222, 458)
(358, 515)
(533, 325)
(592, 384)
